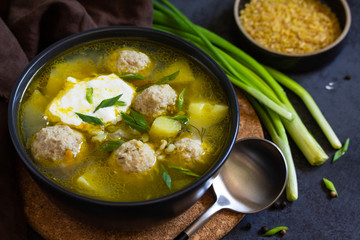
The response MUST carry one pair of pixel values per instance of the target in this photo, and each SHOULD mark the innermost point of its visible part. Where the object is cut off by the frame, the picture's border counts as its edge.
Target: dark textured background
(314, 215)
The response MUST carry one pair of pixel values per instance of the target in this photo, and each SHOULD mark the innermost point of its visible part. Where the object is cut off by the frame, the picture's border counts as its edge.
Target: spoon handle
(194, 226)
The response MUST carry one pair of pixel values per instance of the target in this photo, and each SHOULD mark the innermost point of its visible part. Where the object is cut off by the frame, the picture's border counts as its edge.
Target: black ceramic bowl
(296, 62)
(122, 215)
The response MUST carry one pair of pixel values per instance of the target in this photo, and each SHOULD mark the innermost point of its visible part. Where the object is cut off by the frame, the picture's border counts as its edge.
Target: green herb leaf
(166, 177)
(109, 146)
(120, 103)
(139, 119)
(131, 76)
(136, 120)
(329, 185)
(341, 151)
(180, 117)
(127, 118)
(185, 171)
(142, 87)
(108, 102)
(184, 121)
(89, 95)
(168, 78)
(90, 119)
(162, 80)
(275, 230)
(180, 101)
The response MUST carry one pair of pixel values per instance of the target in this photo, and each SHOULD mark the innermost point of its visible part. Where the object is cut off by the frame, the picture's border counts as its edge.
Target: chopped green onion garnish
(275, 230)
(180, 117)
(168, 78)
(166, 177)
(139, 119)
(120, 103)
(136, 120)
(180, 101)
(329, 185)
(108, 102)
(185, 171)
(142, 87)
(131, 76)
(90, 119)
(89, 95)
(184, 121)
(109, 146)
(341, 151)
(162, 80)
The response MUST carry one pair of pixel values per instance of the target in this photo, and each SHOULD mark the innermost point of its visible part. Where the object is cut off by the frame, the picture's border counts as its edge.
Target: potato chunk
(205, 114)
(164, 127)
(92, 182)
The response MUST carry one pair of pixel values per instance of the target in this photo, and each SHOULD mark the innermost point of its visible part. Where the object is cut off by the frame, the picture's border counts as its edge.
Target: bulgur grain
(290, 26)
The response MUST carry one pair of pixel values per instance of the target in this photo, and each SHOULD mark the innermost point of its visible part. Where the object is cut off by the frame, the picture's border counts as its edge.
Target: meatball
(155, 100)
(189, 149)
(52, 143)
(135, 156)
(130, 61)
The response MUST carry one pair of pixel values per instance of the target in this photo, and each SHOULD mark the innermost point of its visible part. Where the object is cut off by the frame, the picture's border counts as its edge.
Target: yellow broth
(108, 181)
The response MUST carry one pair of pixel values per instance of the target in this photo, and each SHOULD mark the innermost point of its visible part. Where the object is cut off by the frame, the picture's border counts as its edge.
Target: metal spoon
(251, 180)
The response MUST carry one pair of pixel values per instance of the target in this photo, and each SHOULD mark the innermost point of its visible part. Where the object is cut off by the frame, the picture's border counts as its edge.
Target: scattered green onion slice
(136, 120)
(166, 177)
(180, 117)
(120, 103)
(275, 230)
(341, 151)
(142, 87)
(139, 119)
(329, 185)
(185, 171)
(109, 146)
(131, 76)
(108, 102)
(184, 121)
(168, 78)
(180, 101)
(162, 80)
(90, 119)
(89, 95)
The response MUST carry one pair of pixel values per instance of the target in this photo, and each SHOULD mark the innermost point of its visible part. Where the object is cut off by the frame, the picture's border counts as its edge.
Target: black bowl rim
(342, 36)
(53, 51)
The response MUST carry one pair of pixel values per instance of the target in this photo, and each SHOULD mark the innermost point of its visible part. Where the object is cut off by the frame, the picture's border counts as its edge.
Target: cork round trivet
(51, 223)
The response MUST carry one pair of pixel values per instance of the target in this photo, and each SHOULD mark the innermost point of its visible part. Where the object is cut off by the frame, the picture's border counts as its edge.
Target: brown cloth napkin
(26, 28)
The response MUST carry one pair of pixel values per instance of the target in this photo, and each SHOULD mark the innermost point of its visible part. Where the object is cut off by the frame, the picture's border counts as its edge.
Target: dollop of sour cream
(73, 100)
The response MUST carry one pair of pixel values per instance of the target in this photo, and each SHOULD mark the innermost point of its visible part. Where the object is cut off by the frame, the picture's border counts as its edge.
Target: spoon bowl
(252, 179)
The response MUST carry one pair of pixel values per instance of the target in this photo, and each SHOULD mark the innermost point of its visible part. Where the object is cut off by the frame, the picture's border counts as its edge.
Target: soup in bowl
(123, 125)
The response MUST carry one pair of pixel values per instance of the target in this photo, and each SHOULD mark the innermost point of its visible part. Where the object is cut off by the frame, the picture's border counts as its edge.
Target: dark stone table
(314, 215)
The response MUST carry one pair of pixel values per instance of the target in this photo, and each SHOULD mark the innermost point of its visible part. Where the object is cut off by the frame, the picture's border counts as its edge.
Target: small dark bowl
(296, 62)
(122, 215)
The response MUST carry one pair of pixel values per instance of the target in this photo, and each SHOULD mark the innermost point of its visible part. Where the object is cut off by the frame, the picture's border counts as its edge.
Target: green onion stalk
(310, 104)
(262, 86)
(277, 132)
